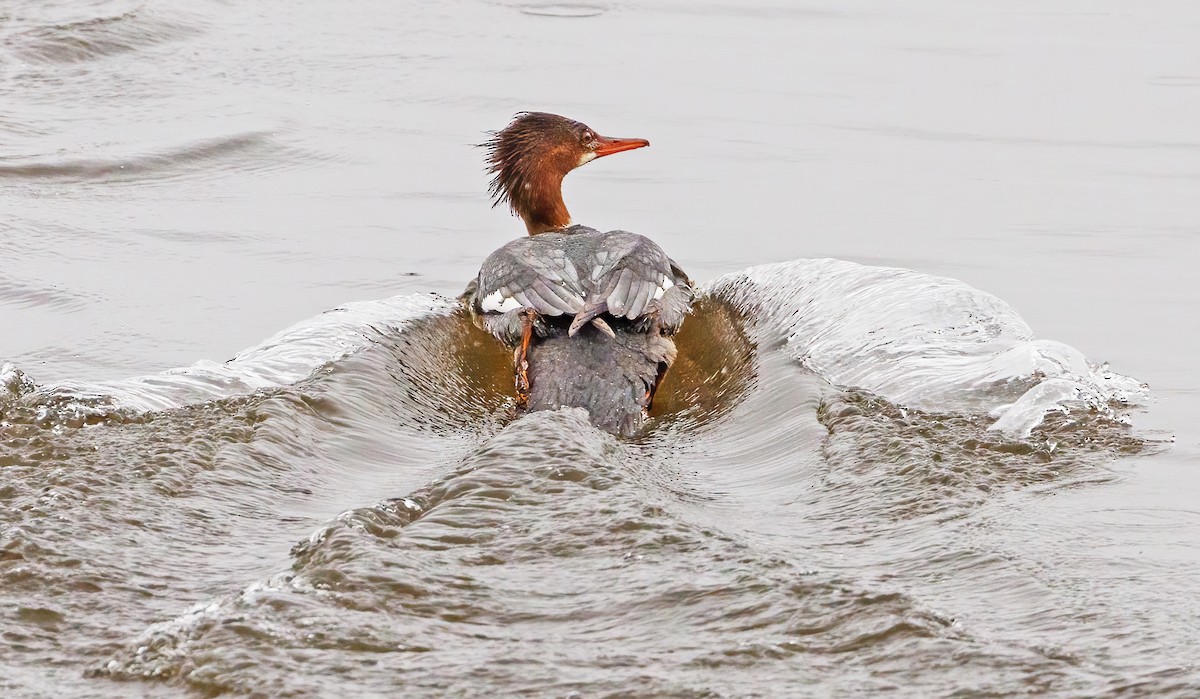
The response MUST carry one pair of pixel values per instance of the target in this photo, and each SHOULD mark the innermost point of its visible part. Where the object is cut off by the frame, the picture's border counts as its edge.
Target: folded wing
(633, 278)
(586, 275)
(523, 274)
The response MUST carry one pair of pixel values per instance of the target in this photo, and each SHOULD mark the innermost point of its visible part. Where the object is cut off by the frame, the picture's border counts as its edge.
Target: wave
(255, 150)
(774, 521)
(281, 360)
(414, 580)
(924, 341)
(554, 534)
(920, 341)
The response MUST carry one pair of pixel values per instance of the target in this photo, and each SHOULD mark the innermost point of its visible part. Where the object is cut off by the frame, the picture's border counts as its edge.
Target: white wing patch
(662, 288)
(497, 302)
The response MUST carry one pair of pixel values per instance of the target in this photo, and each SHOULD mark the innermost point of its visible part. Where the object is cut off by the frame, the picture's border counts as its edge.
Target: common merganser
(590, 316)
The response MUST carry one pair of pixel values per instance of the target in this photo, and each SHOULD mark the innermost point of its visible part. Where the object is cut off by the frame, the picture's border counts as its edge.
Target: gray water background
(180, 180)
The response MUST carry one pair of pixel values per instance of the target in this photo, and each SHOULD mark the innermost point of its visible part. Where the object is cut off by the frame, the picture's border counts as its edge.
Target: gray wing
(631, 277)
(529, 274)
(676, 302)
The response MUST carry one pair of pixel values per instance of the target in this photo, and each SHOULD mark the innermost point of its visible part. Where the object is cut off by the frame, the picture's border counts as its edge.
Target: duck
(590, 316)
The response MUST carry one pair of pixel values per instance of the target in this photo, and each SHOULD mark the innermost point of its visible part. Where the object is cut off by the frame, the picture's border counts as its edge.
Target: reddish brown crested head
(530, 157)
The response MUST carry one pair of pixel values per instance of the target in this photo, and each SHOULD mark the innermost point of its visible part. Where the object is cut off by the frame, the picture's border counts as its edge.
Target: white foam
(280, 360)
(929, 342)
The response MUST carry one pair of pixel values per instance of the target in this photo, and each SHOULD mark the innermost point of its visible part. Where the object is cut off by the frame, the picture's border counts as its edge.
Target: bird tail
(592, 314)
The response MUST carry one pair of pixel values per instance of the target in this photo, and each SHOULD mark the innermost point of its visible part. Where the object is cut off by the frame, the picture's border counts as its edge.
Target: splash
(281, 360)
(928, 342)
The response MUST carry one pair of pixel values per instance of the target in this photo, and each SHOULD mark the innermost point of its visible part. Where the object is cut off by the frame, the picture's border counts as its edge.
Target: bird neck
(540, 205)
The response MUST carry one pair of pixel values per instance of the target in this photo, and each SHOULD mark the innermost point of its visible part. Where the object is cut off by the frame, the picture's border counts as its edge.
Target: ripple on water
(62, 35)
(538, 538)
(17, 293)
(564, 9)
(772, 534)
(555, 536)
(251, 152)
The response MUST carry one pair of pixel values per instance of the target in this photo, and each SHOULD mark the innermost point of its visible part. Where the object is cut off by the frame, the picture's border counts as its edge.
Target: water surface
(866, 494)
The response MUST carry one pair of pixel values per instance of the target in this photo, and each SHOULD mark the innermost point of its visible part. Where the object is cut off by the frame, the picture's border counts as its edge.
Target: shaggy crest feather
(512, 152)
(528, 160)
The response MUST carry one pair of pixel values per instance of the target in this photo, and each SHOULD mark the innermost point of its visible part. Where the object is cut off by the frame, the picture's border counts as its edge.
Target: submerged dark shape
(590, 315)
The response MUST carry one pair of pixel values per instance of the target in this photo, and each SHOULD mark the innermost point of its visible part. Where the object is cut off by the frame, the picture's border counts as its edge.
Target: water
(860, 479)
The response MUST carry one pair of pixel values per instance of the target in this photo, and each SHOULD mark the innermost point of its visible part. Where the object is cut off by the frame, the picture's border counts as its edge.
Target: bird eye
(587, 137)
